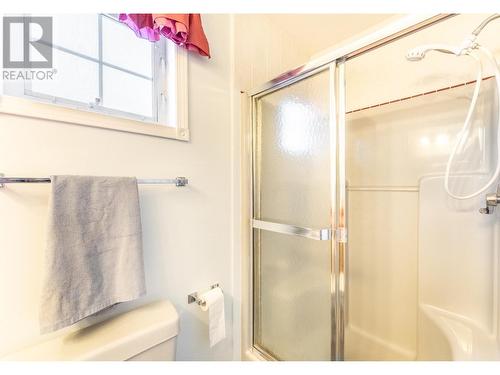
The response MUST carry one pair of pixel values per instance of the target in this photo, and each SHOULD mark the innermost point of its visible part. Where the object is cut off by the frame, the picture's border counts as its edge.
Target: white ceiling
(322, 31)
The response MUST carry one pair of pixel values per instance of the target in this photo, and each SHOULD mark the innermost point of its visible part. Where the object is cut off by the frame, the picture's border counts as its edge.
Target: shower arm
(470, 41)
(484, 23)
(465, 48)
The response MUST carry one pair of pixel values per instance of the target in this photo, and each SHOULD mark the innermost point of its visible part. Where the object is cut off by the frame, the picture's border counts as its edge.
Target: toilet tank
(144, 334)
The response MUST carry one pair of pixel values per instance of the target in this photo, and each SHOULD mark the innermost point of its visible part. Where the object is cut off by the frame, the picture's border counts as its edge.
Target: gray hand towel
(94, 251)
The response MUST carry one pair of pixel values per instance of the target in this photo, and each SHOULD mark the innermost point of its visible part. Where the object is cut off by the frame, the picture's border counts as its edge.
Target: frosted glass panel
(135, 98)
(295, 298)
(76, 79)
(292, 309)
(295, 159)
(121, 47)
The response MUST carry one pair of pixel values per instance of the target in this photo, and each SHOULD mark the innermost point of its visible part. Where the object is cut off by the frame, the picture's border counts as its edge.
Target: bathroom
(321, 134)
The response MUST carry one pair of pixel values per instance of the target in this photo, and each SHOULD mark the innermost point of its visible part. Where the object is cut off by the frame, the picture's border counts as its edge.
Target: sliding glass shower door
(292, 220)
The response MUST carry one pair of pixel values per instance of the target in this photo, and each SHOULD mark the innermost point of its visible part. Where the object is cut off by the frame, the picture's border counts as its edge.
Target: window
(100, 65)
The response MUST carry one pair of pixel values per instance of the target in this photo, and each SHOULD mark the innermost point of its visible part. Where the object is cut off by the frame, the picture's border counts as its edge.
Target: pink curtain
(183, 29)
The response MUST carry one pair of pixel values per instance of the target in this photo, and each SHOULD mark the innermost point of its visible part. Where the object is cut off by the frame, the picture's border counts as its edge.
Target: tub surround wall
(405, 245)
(406, 300)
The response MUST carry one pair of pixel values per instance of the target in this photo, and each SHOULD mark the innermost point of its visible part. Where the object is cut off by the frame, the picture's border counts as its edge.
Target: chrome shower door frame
(321, 234)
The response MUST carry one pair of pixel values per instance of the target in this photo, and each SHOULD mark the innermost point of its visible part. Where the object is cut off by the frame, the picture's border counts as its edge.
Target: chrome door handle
(323, 234)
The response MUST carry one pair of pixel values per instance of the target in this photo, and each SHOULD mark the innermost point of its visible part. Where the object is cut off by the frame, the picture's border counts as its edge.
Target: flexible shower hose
(462, 137)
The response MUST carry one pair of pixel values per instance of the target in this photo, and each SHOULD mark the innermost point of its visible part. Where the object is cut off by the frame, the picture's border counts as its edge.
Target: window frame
(170, 96)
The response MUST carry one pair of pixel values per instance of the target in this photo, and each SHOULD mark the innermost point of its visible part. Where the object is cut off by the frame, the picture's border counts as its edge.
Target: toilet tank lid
(118, 338)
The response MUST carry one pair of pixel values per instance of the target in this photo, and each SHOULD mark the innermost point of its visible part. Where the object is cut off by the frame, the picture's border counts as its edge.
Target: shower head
(469, 43)
(418, 53)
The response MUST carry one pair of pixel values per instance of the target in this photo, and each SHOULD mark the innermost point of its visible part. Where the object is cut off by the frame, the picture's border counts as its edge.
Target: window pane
(77, 32)
(123, 48)
(76, 79)
(126, 92)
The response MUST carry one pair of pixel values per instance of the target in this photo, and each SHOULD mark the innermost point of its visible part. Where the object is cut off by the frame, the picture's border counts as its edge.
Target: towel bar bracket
(181, 181)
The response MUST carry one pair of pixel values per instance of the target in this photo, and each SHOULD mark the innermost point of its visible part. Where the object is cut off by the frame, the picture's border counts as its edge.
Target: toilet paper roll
(213, 301)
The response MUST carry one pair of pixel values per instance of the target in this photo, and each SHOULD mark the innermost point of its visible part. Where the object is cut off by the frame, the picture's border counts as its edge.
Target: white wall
(187, 232)
(268, 45)
(264, 50)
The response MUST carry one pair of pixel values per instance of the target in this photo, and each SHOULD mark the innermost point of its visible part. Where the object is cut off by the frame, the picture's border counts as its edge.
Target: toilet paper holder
(193, 297)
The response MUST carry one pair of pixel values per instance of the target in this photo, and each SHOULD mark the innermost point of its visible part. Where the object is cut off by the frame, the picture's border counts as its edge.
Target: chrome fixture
(323, 234)
(484, 23)
(469, 44)
(178, 181)
(469, 47)
(492, 200)
(194, 297)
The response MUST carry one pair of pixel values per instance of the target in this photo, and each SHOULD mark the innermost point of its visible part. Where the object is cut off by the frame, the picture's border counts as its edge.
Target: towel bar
(178, 181)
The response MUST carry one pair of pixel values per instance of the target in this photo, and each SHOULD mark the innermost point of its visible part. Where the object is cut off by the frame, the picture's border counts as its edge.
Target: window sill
(27, 108)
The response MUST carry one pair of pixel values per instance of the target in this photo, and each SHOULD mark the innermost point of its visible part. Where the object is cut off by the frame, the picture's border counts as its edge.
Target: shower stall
(357, 250)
